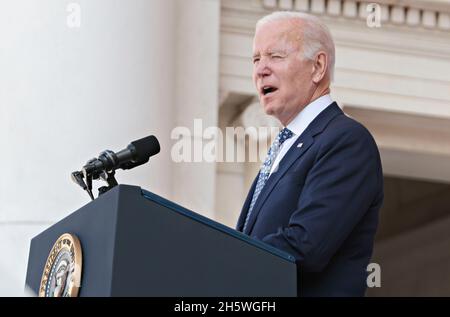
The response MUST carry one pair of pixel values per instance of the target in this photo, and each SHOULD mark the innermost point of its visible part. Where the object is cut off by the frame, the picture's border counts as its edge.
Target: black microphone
(135, 154)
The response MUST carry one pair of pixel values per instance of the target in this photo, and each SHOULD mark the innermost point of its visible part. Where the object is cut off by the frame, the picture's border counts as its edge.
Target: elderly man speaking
(319, 191)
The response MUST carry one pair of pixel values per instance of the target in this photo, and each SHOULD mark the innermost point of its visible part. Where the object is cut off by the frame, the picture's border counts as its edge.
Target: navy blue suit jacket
(322, 205)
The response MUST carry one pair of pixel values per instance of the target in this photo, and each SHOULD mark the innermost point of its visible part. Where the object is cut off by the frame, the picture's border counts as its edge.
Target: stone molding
(426, 14)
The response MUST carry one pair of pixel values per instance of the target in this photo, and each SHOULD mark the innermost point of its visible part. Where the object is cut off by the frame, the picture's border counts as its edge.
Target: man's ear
(320, 67)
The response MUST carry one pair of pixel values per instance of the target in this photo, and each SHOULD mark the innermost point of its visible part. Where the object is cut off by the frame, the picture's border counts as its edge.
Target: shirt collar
(308, 114)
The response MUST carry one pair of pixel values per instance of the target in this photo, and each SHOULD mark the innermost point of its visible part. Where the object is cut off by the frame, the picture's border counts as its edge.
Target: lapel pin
(299, 145)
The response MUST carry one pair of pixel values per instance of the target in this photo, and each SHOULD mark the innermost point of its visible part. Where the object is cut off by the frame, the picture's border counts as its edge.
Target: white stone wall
(197, 89)
(68, 93)
(132, 68)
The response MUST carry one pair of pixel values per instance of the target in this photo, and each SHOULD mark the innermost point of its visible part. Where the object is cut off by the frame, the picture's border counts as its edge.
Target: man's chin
(269, 109)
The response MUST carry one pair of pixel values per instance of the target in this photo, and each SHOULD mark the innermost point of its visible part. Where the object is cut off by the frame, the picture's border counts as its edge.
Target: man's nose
(262, 69)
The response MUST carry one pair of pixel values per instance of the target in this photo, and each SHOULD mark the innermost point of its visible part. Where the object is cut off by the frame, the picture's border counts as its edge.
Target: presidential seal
(62, 271)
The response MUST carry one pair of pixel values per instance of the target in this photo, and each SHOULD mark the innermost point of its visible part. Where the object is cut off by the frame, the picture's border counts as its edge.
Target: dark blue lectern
(136, 243)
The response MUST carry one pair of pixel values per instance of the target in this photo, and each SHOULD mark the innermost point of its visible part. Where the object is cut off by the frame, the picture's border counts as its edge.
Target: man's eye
(255, 60)
(276, 56)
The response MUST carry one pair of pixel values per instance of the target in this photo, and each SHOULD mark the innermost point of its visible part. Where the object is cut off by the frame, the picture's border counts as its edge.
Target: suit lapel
(243, 215)
(294, 153)
(291, 156)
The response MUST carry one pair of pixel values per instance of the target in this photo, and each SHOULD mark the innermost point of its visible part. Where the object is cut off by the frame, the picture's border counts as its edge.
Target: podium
(135, 243)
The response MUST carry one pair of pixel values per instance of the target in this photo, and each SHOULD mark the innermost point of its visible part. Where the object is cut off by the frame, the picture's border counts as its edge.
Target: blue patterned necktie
(264, 173)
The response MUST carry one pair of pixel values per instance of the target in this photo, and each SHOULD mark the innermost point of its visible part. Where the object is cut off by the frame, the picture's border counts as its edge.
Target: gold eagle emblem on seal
(62, 271)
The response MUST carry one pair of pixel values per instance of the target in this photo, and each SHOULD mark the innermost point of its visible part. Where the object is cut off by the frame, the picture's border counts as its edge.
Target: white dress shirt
(300, 123)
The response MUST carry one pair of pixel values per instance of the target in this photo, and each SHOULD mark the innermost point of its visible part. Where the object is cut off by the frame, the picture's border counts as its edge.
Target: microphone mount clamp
(89, 173)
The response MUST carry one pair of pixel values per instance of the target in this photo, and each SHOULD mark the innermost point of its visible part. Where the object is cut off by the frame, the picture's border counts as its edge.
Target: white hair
(316, 35)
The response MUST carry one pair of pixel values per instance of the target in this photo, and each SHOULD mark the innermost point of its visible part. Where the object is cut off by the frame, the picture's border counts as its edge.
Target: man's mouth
(267, 90)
